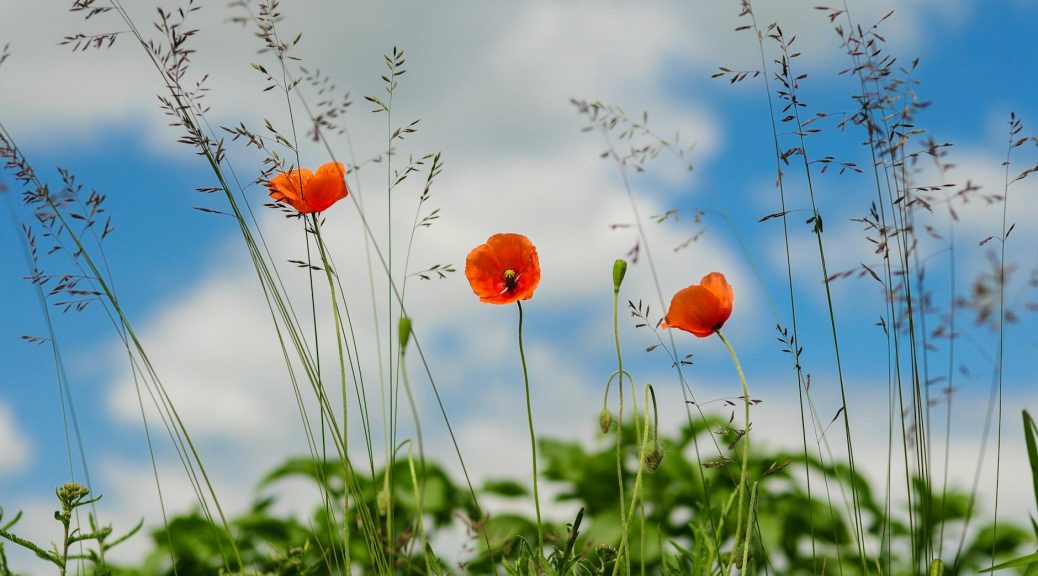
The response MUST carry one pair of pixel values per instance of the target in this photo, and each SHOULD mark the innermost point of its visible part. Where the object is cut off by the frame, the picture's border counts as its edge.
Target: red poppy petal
(484, 273)
(279, 187)
(324, 190)
(486, 265)
(511, 250)
(694, 309)
(718, 285)
(300, 205)
(517, 252)
(287, 185)
(528, 280)
(332, 170)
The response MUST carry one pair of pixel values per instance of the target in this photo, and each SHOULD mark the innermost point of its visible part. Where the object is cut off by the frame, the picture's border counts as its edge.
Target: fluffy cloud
(510, 59)
(15, 451)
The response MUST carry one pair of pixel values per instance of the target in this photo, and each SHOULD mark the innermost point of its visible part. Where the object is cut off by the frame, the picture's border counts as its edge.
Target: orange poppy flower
(308, 192)
(701, 308)
(504, 270)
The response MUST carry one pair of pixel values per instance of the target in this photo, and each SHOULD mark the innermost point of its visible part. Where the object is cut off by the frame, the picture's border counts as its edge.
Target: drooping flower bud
(605, 420)
(654, 458)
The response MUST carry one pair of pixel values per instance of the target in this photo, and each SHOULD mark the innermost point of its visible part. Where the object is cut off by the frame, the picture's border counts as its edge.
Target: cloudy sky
(491, 84)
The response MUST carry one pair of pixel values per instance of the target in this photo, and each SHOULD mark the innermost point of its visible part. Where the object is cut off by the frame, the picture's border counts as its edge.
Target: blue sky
(492, 89)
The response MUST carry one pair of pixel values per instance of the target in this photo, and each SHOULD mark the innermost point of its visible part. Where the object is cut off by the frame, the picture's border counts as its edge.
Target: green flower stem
(744, 473)
(620, 416)
(419, 492)
(418, 484)
(316, 225)
(749, 526)
(533, 440)
(643, 451)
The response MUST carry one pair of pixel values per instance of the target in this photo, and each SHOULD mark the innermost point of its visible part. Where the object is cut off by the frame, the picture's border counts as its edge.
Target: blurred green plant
(72, 496)
(795, 533)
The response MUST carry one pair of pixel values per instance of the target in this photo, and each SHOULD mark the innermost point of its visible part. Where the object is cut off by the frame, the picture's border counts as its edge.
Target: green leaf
(329, 474)
(502, 529)
(506, 488)
(1015, 563)
(1031, 436)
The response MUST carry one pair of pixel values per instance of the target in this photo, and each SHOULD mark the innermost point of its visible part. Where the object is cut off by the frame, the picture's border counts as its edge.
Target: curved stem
(642, 453)
(533, 440)
(744, 473)
(620, 415)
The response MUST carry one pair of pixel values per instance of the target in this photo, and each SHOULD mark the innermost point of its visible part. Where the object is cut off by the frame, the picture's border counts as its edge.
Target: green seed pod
(619, 270)
(654, 458)
(382, 502)
(738, 557)
(605, 420)
(405, 332)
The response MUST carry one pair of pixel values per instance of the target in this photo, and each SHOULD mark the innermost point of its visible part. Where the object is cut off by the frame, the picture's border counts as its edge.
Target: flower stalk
(533, 439)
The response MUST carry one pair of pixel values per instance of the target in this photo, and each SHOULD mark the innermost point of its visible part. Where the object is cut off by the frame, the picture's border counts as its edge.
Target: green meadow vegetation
(709, 498)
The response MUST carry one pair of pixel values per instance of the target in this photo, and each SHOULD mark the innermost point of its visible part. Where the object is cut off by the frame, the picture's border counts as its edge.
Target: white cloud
(498, 63)
(15, 448)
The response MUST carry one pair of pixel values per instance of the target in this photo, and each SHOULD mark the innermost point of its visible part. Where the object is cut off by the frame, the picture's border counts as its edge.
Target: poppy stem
(643, 452)
(744, 473)
(533, 441)
(620, 426)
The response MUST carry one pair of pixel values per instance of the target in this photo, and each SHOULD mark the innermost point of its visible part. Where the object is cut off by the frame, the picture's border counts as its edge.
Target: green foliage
(685, 519)
(92, 543)
(683, 525)
(1030, 561)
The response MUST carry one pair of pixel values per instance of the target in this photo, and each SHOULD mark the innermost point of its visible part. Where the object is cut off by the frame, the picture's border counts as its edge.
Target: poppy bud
(405, 332)
(619, 270)
(605, 420)
(654, 458)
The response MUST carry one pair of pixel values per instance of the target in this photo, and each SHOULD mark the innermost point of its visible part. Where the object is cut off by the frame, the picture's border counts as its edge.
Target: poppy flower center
(511, 278)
